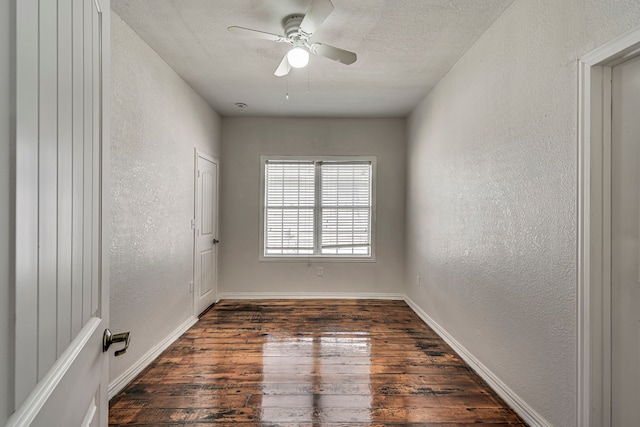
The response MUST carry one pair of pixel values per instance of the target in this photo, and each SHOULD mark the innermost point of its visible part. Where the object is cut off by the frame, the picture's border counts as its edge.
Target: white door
(62, 291)
(625, 253)
(206, 232)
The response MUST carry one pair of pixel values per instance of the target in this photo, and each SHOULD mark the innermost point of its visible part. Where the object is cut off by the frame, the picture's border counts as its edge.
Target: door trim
(594, 227)
(199, 153)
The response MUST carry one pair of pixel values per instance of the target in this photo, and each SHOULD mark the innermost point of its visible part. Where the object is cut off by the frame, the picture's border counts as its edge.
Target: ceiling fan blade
(283, 68)
(334, 53)
(318, 11)
(247, 32)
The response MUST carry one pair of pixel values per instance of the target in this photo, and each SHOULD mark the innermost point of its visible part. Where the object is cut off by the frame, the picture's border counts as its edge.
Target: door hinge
(198, 173)
(193, 224)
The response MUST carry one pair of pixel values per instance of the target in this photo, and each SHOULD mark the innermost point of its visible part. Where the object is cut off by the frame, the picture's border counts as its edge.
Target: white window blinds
(318, 208)
(346, 208)
(289, 208)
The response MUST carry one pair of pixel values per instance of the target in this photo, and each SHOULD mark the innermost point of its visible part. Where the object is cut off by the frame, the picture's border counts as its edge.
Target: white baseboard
(311, 295)
(127, 376)
(509, 396)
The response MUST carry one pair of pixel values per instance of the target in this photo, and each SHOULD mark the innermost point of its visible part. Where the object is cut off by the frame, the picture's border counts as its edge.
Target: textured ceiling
(404, 48)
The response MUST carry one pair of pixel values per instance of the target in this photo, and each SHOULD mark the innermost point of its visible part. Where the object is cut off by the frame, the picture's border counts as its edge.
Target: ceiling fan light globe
(298, 57)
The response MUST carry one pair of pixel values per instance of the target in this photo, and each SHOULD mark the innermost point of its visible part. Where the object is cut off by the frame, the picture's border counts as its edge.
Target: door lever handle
(108, 338)
(216, 241)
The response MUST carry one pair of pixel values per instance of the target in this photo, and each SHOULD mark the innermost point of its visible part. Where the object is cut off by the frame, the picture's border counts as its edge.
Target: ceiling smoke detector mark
(241, 106)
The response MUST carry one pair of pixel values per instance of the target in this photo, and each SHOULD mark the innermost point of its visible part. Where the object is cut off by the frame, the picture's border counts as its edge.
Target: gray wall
(491, 195)
(245, 140)
(7, 112)
(156, 121)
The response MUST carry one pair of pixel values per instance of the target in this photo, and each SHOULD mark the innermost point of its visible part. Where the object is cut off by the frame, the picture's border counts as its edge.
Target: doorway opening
(595, 204)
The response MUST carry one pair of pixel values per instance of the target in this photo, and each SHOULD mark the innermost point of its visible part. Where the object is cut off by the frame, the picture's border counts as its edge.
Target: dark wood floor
(309, 363)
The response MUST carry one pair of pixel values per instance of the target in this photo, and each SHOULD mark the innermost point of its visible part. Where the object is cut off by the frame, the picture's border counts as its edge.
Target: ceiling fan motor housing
(292, 27)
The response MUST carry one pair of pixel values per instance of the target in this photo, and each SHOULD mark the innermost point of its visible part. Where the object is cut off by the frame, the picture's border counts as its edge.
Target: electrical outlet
(320, 271)
(418, 281)
(190, 287)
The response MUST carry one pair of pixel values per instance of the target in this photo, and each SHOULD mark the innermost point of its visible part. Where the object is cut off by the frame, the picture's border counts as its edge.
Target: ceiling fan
(298, 30)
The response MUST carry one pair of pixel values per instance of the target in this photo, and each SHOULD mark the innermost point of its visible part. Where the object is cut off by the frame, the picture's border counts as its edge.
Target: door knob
(108, 338)
(216, 241)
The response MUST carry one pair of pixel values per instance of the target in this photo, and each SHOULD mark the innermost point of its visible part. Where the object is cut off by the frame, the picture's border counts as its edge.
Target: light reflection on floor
(314, 363)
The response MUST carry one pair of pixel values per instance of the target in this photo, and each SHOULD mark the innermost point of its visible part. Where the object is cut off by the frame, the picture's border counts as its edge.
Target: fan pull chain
(308, 80)
(287, 95)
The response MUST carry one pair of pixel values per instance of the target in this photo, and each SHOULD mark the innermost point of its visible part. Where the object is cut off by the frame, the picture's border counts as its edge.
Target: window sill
(317, 259)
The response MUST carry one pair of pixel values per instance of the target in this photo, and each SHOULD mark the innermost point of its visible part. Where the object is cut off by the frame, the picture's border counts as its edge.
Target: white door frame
(594, 227)
(198, 153)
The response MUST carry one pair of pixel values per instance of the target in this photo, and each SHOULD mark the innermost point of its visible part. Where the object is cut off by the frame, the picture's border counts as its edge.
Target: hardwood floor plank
(309, 363)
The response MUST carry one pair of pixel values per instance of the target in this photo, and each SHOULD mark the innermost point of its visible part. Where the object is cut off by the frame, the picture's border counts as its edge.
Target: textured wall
(491, 195)
(157, 120)
(6, 207)
(245, 140)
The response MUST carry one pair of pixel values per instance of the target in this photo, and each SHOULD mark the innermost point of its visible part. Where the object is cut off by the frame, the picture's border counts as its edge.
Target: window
(318, 207)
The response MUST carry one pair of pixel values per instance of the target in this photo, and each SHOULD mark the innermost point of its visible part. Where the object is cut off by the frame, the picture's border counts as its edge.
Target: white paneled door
(206, 232)
(625, 244)
(62, 290)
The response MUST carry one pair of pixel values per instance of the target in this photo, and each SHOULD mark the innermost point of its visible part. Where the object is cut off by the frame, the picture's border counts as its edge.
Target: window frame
(318, 257)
